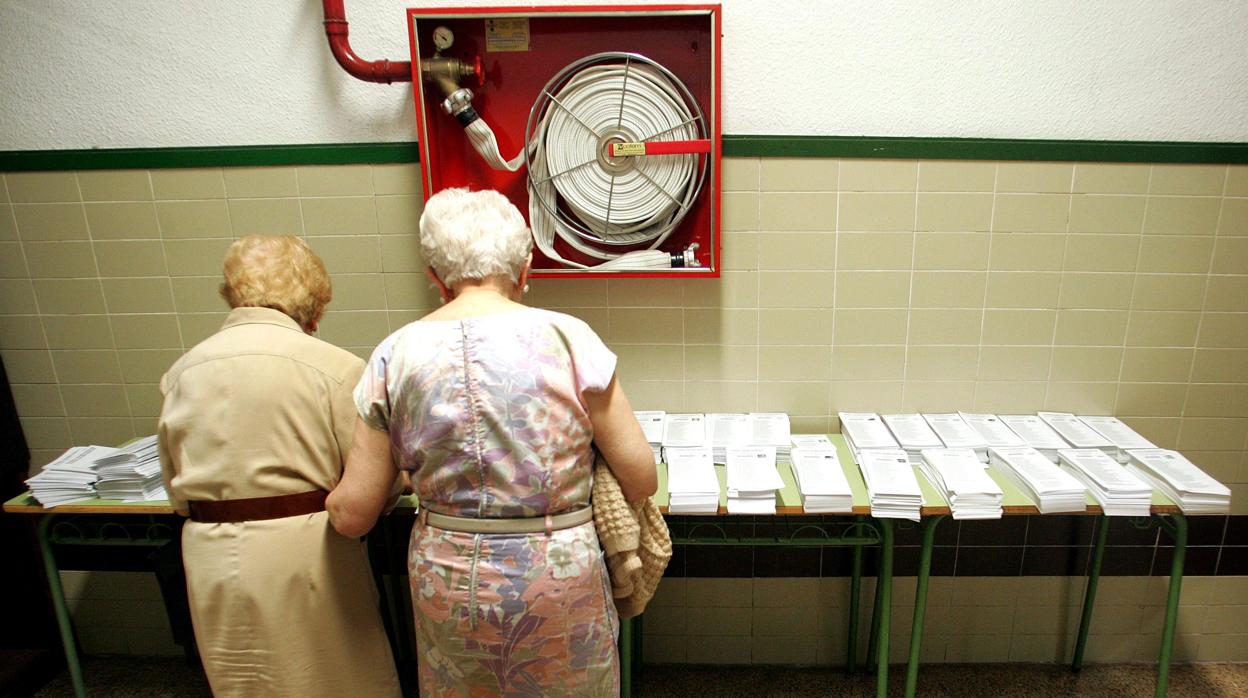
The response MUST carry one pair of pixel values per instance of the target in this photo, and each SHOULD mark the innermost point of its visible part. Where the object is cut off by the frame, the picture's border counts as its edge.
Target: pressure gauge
(443, 38)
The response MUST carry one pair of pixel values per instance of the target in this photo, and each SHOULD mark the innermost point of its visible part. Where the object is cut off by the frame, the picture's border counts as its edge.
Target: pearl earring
(525, 289)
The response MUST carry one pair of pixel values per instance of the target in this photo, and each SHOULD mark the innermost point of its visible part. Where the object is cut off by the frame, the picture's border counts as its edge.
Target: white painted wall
(147, 73)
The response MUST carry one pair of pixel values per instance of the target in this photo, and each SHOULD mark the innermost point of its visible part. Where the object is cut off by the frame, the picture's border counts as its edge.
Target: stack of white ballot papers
(752, 480)
(865, 431)
(684, 430)
(821, 480)
(1076, 432)
(1037, 433)
(725, 430)
(692, 483)
(913, 434)
(651, 422)
(69, 478)
(1179, 479)
(812, 442)
(891, 484)
(954, 432)
(992, 430)
(1120, 435)
(1052, 489)
(959, 476)
(771, 429)
(131, 473)
(1119, 492)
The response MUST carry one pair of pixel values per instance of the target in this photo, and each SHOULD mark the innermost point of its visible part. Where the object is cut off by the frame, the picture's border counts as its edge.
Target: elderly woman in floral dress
(495, 409)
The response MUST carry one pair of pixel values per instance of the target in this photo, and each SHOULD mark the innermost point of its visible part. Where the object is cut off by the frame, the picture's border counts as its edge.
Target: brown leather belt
(258, 508)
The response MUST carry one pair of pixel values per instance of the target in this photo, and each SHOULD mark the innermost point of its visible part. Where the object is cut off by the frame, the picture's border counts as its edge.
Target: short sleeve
(594, 362)
(372, 394)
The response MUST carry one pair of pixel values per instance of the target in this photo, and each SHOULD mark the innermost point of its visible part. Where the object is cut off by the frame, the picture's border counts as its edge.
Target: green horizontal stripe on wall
(733, 146)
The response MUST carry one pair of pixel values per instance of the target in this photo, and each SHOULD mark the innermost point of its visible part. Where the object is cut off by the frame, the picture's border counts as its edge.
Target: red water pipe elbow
(370, 71)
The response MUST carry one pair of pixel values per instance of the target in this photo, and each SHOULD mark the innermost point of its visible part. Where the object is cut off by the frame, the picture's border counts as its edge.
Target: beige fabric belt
(536, 524)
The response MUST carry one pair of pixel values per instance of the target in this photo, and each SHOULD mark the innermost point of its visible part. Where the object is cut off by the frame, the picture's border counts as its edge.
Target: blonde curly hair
(279, 272)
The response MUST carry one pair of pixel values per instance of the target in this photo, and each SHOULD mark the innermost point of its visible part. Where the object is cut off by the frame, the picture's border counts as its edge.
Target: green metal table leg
(1178, 531)
(626, 657)
(58, 603)
(920, 603)
(883, 606)
(855, 586)
(1089, 595)
(873, 635)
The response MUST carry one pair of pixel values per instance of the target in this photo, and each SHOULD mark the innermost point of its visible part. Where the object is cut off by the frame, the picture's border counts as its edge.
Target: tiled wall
(848, 285)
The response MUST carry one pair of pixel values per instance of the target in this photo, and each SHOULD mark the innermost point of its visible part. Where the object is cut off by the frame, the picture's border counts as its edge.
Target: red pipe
(370, 71)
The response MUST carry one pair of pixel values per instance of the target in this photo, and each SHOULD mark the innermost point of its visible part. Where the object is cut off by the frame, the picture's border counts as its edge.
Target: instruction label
(507, 34)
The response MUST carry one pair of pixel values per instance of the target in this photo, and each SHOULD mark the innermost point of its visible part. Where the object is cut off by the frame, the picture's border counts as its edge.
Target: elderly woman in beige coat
(256, 425)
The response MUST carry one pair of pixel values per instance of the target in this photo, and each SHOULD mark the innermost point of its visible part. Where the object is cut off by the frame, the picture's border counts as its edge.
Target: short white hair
(473, 234)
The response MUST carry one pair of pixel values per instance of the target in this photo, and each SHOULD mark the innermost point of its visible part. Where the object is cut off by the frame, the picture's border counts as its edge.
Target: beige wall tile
(42, 400)
(17, 296)
(879, 175)
(1163, 431)
(945, 326)
(1175, 254)
(87, 366)
(1156, 364)
(1101, 178)
(402, 253)
(147, 295)
(794, 211)
(727, 326)
(260, 182)
(642, 293)
(956, 175)
(1082, 398)
(196, 327)
(948, 289)
(1086, 364)
(871, 289)
(813, 251)
(266, 217)
(1004, 397)
(1220, 366)
(866, 396)
(1106, 214)
(1234, 218)
(29, 366)
(797, 289)
(1027, 251)
(563, 293)
(1195, 180)
(188, 184)
(1216, 400)
(794, 363)
(21, 332)
(340, 215)
(193, 219)
(1226, 330)
(1237, 180)
(941, 363)
(1151, 399)
(358, 292)
(740, 251)
(1230, 256)
(712, 396)
(354, 254)
(954, 212)
(1181, 215)
(808, 398)
(59, 259)
(1227, 294)
(719, 649)
(122, 220)
(875, 251)
(952, 251)
(146, 331)
(1031, 213)
(399, 215)
(1213, 434)
(868, 363)
(335, 180)
(998, 363)
(1168, 292)
(740, 211)
(101, 430)
(1018, 326)
(1035, 177)
(1090, 327)
(867, 211)
(786, 174)
(654, 394)
(77, 332)
(50, 221)
(397, 179)
(1017, 289)
(354, 328)
(930, 396)
(47, 433)
(146, 365)
(646, 325)
(129, 258)
(1096, 291)
(733, 289)
(8, 228)
(196, 257)
(41, 187)
(742, 174)
(115, 185)
(872, 326)
(145, 399)
(95, 401)
(1163, 329)
(197, 294)
(727, 363)
(650, 362)
(1102, 252)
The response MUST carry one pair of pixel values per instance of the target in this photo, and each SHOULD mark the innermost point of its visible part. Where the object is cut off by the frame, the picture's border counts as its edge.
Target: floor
(170, 678)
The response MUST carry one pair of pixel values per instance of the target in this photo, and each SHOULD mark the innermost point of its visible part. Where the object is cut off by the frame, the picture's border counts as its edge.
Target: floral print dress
(488, 414)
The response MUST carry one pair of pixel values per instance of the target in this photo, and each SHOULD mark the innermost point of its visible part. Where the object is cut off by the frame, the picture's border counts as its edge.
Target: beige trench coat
(284, 607)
